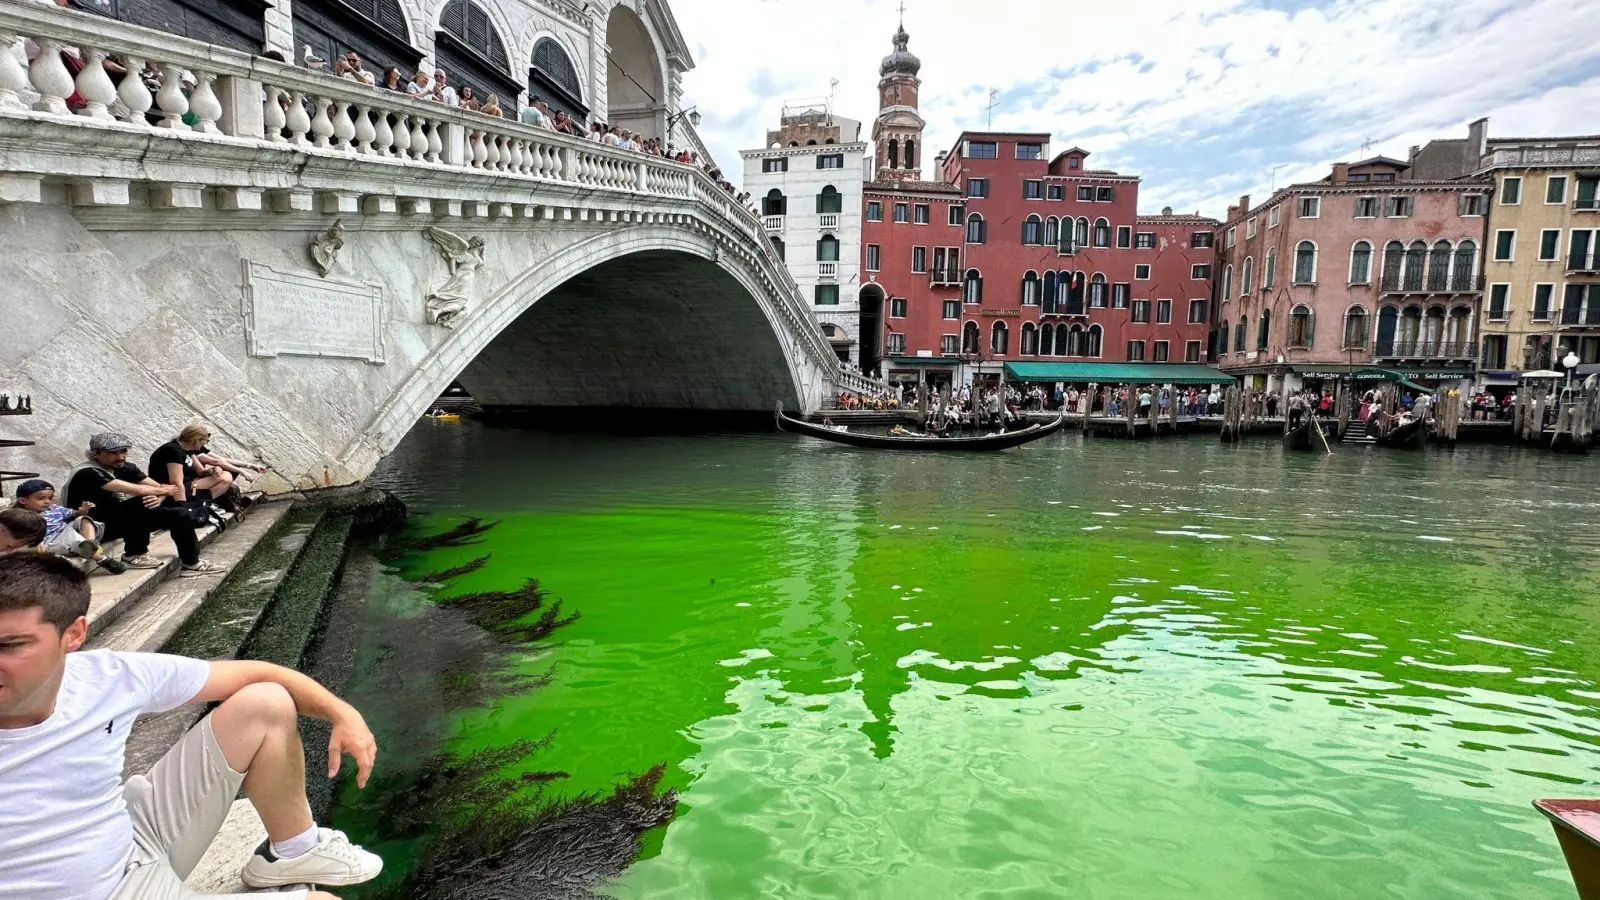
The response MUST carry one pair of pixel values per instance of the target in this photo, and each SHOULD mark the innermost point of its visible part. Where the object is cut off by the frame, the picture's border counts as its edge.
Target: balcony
(829, 270)
(950, 277)
(1584, 262)
(1576, 316)
(773, 224)
(1460, 283)
(828, 220)
(1586, 204)
(1420, 349)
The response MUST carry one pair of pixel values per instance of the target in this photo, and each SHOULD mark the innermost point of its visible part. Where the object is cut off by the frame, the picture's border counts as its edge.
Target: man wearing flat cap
(132, 505)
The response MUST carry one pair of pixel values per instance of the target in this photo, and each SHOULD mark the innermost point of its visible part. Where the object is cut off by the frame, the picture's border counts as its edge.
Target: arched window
(470, 26)
(777, 246)
(1416, 261)
(1387, 326)
(1439, 267)
(1302, 327)
(1061, 340)
(972, 287)
(1355, 328)
(999, 338)
(828, 249)
(1050, 296)
(1102, 233)
(1095, 333)
(1270, 276)
(1361, 263)
(1239, 332)
(1305, 263)
(1458, 333)
(911, 154)
(1075, 341)
(1081, 239)
(1466, 261)
(1030, 289)
(1394, 256)
(1248, 276)
(1030, 340)
(977, 231)
(894, 153)
(555, 78)
(774, 203)
(1072, 285)
(1407, 339)
(830, 200)
(1047, 337)
(1032, 230)
(1052, 231)
(1227, 281)
(1432, 330)
(970, 337)
(1264, 330)
(1097, 291)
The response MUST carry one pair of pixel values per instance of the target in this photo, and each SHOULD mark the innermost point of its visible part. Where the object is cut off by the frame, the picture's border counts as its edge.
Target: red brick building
(1180, 252)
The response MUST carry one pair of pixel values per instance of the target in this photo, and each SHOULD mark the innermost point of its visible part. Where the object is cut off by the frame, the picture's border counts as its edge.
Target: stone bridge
(156, 274)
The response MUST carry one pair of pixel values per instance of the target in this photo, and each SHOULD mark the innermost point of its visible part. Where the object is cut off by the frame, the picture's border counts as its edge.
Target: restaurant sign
(1000, 312)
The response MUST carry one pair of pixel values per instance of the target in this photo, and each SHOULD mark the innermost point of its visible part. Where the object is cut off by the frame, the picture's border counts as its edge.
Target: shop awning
(1117, 373)
(925, 360)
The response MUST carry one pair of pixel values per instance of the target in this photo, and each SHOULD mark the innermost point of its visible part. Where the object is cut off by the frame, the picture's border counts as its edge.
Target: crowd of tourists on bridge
(105, 498)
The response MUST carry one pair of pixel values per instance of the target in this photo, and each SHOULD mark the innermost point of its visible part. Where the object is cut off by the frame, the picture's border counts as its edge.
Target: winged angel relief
(448, 302)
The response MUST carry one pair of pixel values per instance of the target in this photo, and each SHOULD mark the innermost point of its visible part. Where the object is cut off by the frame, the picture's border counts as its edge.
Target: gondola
(1299, 437)
(1410, 436)
(1001, 441)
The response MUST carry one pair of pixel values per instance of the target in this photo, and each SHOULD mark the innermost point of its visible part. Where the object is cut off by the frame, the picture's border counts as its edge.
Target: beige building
(1541, 296)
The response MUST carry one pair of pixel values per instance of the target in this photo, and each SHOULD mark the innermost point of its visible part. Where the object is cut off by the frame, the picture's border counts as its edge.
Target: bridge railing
(226, 94)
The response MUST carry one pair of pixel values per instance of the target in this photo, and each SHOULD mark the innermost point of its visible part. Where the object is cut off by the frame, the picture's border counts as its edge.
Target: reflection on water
(1081, 668)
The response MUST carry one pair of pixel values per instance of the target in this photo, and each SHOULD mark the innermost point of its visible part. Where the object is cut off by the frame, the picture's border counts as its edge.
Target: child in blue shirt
(68, 532)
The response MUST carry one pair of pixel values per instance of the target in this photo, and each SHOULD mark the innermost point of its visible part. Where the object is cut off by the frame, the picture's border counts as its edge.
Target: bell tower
(897, 132)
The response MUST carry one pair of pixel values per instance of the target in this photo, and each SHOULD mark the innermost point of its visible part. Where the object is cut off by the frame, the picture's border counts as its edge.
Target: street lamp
(693, 115)
(1571, 362)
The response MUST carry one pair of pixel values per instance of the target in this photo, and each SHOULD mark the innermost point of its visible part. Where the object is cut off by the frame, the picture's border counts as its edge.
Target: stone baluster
(204, 104)
(344, 130)
(480, 152)
(273, 118)
(364, 130)
(321, 124)
(49, 76)
(436, 142)
(402, 135)
(298, 120)
(513, 154)
(419, 138)
(13, 78)
(95, 87)
(170, 98)
(491, 149)
(383, 135)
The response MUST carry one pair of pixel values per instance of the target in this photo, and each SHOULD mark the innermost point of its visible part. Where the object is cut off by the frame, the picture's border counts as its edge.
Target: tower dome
(901, 61)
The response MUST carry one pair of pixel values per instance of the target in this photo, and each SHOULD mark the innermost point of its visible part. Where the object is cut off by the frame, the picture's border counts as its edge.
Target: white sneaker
(200, 567)
(332, 862)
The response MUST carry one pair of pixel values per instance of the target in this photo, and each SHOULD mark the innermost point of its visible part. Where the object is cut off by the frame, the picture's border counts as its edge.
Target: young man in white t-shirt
(71, 829)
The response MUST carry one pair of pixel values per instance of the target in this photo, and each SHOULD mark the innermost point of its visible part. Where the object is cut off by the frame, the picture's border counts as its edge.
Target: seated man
(72, 830)
(129, 504)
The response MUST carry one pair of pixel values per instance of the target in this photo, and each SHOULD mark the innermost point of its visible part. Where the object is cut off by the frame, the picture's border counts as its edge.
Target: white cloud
(1203, 101)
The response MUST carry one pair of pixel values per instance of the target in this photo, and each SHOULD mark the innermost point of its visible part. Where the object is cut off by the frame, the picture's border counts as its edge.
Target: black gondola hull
(986, 442)
(1410, 436)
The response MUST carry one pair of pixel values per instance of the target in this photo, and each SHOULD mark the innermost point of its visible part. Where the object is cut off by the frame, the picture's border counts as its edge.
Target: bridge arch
(636, 74)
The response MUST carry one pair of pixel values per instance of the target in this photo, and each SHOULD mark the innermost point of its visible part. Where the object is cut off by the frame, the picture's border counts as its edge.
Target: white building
(807, 185)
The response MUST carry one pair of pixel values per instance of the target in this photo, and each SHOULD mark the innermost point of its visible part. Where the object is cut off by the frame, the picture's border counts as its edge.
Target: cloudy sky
(1203, 98)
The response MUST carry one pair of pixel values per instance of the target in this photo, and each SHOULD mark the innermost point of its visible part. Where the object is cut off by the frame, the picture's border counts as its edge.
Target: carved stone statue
(448, 301)
(325, 247)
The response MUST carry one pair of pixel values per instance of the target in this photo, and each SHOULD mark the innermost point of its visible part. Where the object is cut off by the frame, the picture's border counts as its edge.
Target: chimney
(1415, 149)
(1166, 210)
(1341, 173)
(1244, 204)
(1477, 145)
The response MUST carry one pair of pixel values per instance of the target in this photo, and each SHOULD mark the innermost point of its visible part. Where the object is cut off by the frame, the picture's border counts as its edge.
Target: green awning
(1118, 372)
(925, 360)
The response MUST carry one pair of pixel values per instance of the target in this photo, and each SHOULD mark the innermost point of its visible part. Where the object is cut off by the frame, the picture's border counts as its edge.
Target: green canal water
(1084, 669)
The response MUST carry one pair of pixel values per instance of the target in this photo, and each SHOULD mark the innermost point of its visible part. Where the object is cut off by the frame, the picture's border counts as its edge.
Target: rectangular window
(1555, 189)
(1057, 192)
(1310, 207)
(1030, 151)
(1473, 204)
(1511, 191)
(1163, 312)
(1145, 240)
(1141, 312)
(830, 161)
(1233, 234)
(1119, 295)
(874, 211)
(1588, 193)
(982, 150)
(1504, 241)
(1358, 178)
(1141, 272)
(1543, 295)
(1366, 207)
(897, 308)
(1197, 311)
(1160, 352)
(1250, 228)
(952, 311)
(978, 187)
(1397, 207)
(781, 164)
(1549, 243)
(1032, 189)
(1272, 217)
(1124, 236)
(957, 215)
(949, 344)
(1136, 351)
(919, 214)
(902, 213)
(1200, 240)
(919, 259)
(1105, 195)
(1200, 271)
(1085, 194)
(1497, 301)
(1585, 250)
(1191, 351)
(1383, 176)
(873, 254)
(826, 295)
(897, 343)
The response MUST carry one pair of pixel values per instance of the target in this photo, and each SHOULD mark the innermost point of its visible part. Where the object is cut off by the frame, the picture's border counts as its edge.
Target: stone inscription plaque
(299, 315)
